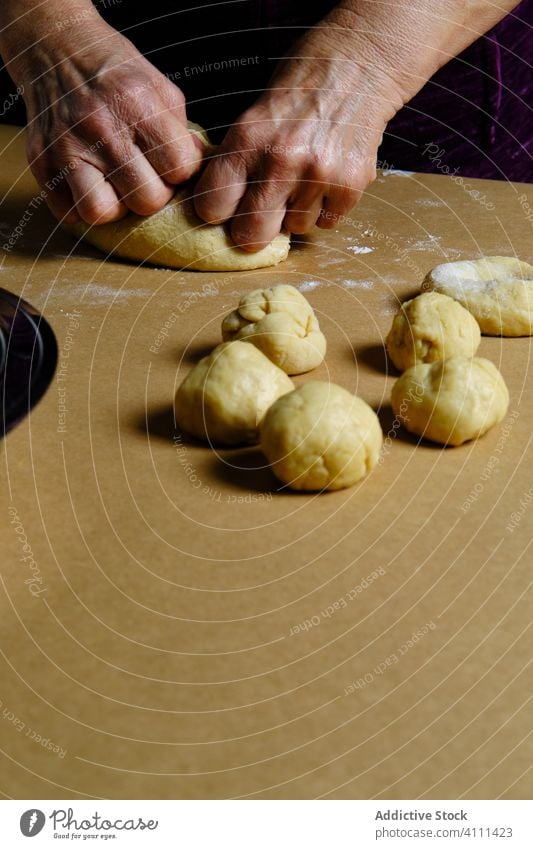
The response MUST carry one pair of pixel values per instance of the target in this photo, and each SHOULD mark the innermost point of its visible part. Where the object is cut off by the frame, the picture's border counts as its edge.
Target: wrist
(334, 66)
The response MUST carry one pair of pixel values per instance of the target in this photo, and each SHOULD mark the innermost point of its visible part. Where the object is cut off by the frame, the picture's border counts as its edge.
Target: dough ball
(321, 437)
(431, 327)
(497, 290)
(225, 396)
(281, 323)
(175, 237)
(451, 401)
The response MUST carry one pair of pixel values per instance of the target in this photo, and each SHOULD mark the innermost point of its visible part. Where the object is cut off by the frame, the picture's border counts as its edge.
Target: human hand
(107, 132)
(305, 152)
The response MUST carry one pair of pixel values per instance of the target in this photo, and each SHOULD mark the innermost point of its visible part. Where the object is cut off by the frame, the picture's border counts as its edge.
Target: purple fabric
(478, 109)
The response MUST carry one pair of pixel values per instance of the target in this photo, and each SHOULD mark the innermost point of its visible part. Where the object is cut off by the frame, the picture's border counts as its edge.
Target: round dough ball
(431, 327)
(321, 437)
(451, 401)
(225, 396)
(282, 324)
(497, 290)
(175, 237)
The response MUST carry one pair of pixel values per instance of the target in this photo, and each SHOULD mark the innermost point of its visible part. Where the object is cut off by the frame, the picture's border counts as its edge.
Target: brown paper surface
(199, 634)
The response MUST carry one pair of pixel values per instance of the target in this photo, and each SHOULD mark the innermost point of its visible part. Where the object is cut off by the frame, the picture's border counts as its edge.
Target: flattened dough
(451, 401)
(431, 327)
(175, 237)
(497, 290)
(281, 322)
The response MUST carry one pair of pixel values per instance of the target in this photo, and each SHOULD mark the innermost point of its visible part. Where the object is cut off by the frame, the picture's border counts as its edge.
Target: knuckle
(248, 123)
(248, 237)
(241, 140)
(146, 202)
(173, 94)
(279, 165)
(319, 168)
(94, 210)
(178, 171)
(142, 109)
(208, 208)
(118, 153)
(345, 199)
(297, 223)
(327, 220)
(361, 170)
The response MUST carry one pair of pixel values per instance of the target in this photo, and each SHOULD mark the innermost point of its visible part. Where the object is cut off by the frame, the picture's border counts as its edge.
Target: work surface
(197, 633)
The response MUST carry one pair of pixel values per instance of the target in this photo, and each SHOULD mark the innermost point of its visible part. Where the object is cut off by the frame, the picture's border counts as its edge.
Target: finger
(174, 99)
(169, 147)
(338, 202)
(136, 182)
(58, 197)
(221, 188)
(260, 215)
(96, 200)
(304, 208)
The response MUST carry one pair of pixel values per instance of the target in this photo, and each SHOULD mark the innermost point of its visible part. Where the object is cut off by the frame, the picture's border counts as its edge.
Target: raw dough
(176, 238)
(225, 396)
(321, 437)
(281, 323)
(452, 400)
(497, 290)
(431, 327)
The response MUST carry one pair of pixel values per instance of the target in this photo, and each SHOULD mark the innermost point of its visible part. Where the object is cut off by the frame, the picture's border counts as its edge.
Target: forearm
(30, 33)
(405, 41)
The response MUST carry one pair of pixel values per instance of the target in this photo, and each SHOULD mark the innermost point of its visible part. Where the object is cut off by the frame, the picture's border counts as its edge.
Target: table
(195, 632)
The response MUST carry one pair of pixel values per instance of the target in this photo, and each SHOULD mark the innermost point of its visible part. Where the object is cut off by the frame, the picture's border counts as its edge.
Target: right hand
(106, 130)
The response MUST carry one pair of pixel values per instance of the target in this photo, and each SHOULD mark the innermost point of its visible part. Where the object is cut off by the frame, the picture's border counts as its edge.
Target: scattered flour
(427, 244)
(309, 285)
(429, 202)
(330, 260)
(389, 309)
(89, 293)
(397, 172)
(358, 284)
(360, 249)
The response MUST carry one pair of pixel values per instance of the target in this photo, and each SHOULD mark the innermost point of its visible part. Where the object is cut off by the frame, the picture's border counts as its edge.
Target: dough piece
(225, 396)
(321, 437)
(281, 323)
(431, 327)
(497, 290)
(451, 401)
(175, 237)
